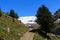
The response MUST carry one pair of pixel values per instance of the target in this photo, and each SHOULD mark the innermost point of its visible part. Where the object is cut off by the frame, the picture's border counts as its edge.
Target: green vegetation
(0, 13)
(38, 37)
(53, 37)
(44, 18)
(46, 22)
(16, 28)
(13, 14)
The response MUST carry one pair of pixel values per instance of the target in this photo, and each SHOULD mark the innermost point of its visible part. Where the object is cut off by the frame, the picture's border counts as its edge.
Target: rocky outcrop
(56, 17)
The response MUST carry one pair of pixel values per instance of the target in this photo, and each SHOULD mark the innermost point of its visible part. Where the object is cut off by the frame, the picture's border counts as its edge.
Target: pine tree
(16, 15)
(0, 13)
(13, 14)
(44, 18)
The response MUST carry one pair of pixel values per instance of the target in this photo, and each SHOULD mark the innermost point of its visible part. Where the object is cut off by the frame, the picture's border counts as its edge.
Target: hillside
(16, 28)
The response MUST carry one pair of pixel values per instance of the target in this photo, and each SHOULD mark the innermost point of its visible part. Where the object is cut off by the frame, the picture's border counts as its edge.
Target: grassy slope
(53, 37)
(16, 28)
(38, 37)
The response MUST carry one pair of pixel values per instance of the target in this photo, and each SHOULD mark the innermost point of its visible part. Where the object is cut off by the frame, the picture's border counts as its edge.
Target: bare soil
(27, 36)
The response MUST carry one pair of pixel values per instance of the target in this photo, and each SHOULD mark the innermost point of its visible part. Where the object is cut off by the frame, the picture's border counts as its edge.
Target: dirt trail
(27, 36)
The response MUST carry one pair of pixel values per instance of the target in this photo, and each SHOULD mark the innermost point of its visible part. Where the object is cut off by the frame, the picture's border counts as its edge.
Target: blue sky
(28, 7)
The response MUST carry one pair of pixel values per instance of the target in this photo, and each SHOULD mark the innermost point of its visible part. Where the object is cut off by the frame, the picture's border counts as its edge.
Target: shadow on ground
(1, 38)
(41, 33)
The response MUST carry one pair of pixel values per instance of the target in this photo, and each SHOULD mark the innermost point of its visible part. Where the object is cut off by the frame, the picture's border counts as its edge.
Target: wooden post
(8, 31)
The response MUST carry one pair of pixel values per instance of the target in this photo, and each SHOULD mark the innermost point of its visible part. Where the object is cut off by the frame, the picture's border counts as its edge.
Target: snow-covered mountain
(29, 20)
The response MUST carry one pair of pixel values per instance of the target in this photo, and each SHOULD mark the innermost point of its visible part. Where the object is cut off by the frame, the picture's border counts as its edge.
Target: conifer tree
(44, 18)
(13, 14)
(0, 13)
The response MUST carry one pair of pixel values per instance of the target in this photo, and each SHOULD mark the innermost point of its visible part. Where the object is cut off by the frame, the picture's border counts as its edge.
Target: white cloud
(25, 19)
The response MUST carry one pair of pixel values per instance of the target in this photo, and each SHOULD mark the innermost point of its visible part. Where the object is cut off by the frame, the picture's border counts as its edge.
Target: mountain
(32, 23)
(29, 21)
(57, 15)
(26, 19)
